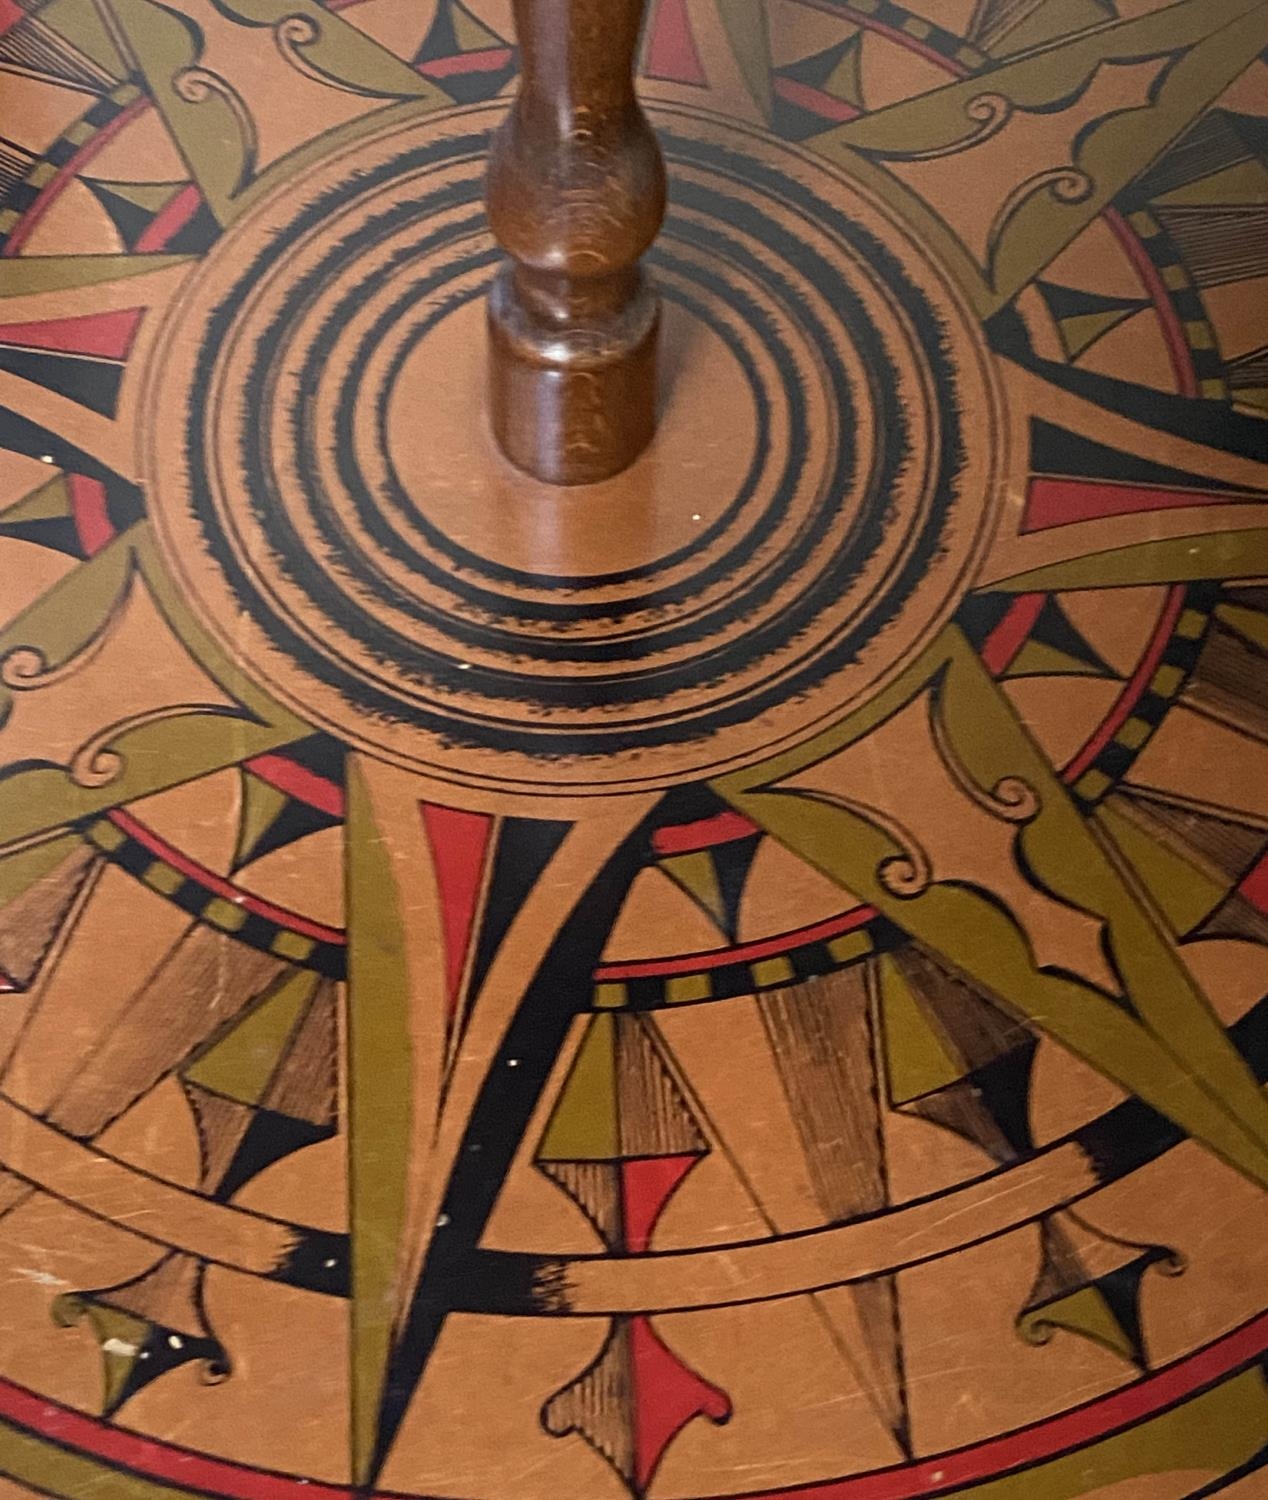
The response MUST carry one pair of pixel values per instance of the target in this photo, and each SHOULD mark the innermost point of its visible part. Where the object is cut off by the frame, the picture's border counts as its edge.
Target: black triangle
(295, 821)
(1053, 628)
(442, 37)
(59, 533)
(819, 67)
(93, 383)
(524, 848)
(1073, 302)
(1055, 450)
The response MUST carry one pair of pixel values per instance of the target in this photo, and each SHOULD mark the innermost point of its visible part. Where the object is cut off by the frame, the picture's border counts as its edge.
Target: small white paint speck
(119, 1346)
(442, 1220)
(512, 1062)
(47, 458)
(330, 1264)
(175, 1341)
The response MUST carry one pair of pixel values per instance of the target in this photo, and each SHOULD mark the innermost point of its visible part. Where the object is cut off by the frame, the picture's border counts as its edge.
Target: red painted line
(1131, 694)
(73, 167)
(170, 220)
(487, 61)
(1177, 345)
(92, 518)
(705, 833)
(895, 34)
(1001, 647)
(806, 96)
(217, 884)
(298, 782)
(772, 947)
(1044, 1441)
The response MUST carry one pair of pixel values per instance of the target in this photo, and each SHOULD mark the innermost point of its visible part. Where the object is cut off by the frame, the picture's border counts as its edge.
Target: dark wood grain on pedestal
(576, 194)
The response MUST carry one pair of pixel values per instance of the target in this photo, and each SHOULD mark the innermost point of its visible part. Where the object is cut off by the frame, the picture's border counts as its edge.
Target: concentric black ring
(480, 654)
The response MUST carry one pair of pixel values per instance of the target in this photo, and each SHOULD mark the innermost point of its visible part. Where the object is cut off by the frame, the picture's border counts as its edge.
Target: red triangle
(10, 14)
(1054, 501)
(459, 844)
(647, 1185)
(105, 335)
(671, 49)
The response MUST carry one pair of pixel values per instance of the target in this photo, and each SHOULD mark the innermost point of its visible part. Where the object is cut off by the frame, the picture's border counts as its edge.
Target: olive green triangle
(20, 871)
(1250, 624)
(150, 196)
(79, 22)
(470, 34)
(60, 273)
(917, 1059)
(120, 1337)
(845, 81)
(50, 502)
(241, 1064)
(1244, 183)
(1184, 894)
(1084, 1312)
(1255, 395)
(584, 1124)
(1035, 659)
(747, 30)
(698, 875)
(1080, 332)
(262, 805)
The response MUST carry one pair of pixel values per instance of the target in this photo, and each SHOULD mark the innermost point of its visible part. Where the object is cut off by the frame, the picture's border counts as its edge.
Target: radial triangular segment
(461, 844)
(217, 977)
(461, 54)
(985, 1054)
(1213, 146)
(136, 207)
(1219, 244)
(32, 46)
(39, 890)
(1056, 647)
(15, 162)
(670, 52)
(820, 1036)
(241, 1063)
(584, 1124)
(1230, 681)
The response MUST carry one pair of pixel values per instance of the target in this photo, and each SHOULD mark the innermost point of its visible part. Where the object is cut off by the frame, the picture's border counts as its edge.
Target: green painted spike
(51, 502)
(1236, 186)
(1184, 894)
(25, 275)
(584, 1125)
(79, 22)
(241, 1064)
(1037, 660)
(1081, 332)
(262, 805)
(917, 1059)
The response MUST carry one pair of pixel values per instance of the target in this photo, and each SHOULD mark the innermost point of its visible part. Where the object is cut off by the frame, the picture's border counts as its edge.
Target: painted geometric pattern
(750, 980)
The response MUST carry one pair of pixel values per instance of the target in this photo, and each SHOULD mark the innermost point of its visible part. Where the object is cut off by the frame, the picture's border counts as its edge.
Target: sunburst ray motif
(746, 981)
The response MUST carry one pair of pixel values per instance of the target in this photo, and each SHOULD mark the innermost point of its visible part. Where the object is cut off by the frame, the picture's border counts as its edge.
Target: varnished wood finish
(576, 194)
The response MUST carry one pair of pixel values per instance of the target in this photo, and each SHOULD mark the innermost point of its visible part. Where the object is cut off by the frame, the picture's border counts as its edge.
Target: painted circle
(323, 485)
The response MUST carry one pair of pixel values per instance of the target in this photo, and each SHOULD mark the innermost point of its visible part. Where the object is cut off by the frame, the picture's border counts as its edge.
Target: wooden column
(576, 194)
